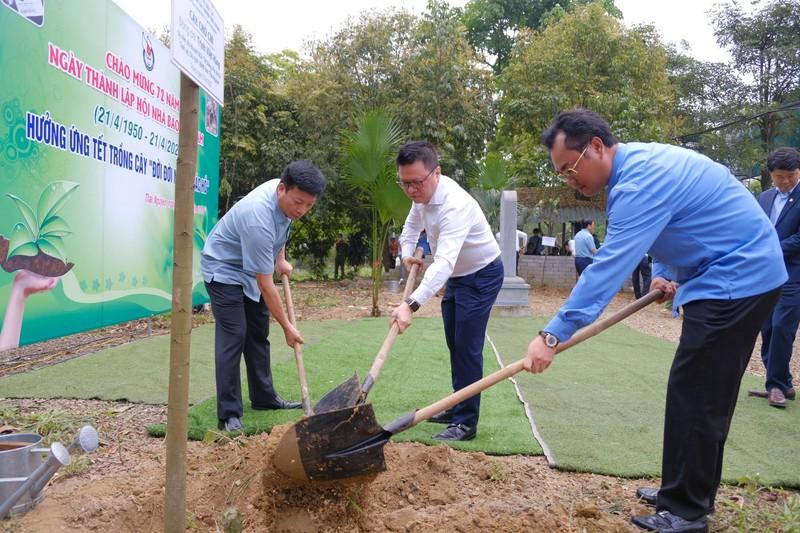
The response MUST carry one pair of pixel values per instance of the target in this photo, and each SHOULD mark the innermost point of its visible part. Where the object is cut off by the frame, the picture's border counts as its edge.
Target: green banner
(88, 151)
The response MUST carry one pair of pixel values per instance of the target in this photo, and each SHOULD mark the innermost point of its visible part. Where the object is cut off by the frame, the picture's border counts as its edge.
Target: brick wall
(559, 271)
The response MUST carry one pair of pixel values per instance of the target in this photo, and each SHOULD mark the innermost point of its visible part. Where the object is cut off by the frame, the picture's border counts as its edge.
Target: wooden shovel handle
(383, 353)
(504, 373)
(298, 350)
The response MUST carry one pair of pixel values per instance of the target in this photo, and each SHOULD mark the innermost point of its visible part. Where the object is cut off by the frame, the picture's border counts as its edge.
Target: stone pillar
(513, 297)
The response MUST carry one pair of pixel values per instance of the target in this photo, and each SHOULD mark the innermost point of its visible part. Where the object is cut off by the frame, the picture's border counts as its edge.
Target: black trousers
(242, 326)
(716, 342)
(338, 264)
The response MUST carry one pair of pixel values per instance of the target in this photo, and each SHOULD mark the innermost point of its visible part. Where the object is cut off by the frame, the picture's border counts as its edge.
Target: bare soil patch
(424, 488)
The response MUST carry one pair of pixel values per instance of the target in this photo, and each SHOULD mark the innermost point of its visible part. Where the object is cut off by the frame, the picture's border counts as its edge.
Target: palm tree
(368, 162)
(491, 176)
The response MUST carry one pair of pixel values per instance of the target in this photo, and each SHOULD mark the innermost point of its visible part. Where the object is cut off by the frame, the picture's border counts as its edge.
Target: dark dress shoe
(457, 432)
(445, 417)
(776, 398)
(277, 403)
(790, 393)
(666, 522)
(648, 495)
(232, 424)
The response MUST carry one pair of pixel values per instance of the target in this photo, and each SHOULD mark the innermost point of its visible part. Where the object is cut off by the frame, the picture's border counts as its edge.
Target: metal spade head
(312, 448)
(345, 395)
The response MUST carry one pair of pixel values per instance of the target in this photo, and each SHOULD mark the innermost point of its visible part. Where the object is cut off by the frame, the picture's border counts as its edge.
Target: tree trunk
(181, 326)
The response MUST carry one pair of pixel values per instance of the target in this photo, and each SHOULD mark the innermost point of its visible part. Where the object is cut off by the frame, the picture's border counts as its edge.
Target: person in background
(779, 330)
(341, 247)
(522, 242)
(466, 258)
(534, 246)
(715, 254)
(242, 253)
(584, 246)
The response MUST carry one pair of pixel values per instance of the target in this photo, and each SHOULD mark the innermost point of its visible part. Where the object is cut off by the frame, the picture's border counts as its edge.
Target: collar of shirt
(438, 194)
(619, 158)
(278, 216)
(786, 195)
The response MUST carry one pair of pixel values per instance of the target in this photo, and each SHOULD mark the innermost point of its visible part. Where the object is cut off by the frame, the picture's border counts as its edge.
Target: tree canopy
(482, 83)
(765, 47)
(586, 59)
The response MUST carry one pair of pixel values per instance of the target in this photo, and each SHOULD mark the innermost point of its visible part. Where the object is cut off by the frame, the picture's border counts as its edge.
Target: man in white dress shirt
(466, 257)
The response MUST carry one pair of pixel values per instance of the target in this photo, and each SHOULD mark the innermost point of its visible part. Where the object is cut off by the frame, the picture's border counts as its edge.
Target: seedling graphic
(37, 240)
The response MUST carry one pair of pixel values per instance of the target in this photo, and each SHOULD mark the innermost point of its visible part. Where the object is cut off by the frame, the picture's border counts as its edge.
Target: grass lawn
(416, 374)
(600, 408)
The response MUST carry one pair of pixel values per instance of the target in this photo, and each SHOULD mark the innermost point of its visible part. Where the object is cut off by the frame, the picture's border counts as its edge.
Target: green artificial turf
(416, 374)
(600, 408)
(139, 371)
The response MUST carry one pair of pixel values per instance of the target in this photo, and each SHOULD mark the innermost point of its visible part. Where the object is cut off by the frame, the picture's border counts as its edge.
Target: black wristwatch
(412, 303)
(550, 340)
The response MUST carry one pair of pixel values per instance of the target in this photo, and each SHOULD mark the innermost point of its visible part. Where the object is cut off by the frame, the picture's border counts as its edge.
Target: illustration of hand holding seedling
(36, 250)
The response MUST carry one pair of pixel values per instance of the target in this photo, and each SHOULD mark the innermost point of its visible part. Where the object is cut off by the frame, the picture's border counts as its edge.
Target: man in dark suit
(778, 332)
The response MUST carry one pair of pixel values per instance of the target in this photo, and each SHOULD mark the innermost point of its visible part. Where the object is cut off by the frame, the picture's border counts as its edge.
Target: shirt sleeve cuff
(561, 329)
(422, 294)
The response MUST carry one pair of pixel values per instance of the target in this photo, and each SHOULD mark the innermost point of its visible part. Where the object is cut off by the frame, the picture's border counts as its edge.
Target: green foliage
(709, 94)
(489, 178)
(452, 95)
(747, 511)
(42, 229)
(764, 48)
(491, 173)
(421, 70)
(313, 235)
(586, 59)
(261, 132)
(492, 25)
(53, 426)
(368, 162)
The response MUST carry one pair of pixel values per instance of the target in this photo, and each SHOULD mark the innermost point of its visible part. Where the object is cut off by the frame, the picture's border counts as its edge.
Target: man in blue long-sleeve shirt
(715, 254)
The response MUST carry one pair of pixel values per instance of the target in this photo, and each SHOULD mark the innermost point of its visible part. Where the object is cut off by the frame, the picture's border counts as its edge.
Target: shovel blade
(345, 395)
(309, 451)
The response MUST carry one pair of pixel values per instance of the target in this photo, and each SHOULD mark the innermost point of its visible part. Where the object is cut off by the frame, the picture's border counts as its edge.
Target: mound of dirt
(423, 489)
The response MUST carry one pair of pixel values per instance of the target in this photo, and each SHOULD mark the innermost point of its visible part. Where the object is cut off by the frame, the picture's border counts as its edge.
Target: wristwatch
(550, 340)
(412, 303)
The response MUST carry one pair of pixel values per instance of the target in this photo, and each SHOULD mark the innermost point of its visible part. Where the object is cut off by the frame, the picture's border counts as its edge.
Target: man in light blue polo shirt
(715, 254)
(584, 246)
(240, 256)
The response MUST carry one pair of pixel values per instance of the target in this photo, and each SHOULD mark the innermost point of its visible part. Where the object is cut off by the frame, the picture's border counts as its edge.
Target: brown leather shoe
(790, 394)
(776, 398)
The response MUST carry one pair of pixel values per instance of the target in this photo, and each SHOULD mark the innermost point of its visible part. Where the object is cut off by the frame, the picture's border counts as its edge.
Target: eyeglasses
(570, 173)
(416, 184)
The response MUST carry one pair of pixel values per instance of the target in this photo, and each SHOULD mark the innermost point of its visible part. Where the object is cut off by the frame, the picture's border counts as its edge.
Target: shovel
(349, 442)
(298, 349)
(350, 393)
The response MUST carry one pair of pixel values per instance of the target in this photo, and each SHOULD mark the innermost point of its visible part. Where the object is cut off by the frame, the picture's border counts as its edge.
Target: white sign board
(198, 44)
(548, 241)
